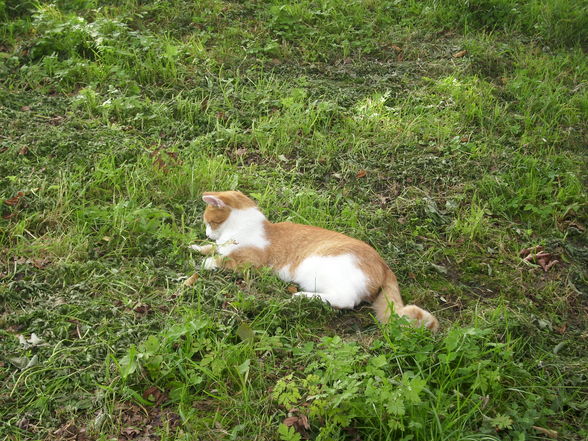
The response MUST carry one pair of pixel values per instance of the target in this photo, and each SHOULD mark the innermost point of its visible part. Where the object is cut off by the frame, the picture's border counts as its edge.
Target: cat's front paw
(310, 295)
(210, 263)
(202, 249)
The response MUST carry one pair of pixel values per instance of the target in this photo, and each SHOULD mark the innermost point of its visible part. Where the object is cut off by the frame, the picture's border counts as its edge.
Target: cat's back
(306, 240)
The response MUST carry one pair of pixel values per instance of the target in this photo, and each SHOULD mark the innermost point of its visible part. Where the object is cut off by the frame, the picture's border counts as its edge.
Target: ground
(449, 135)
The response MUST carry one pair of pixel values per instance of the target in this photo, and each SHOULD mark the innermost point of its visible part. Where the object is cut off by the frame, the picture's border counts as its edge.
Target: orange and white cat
(342, 271)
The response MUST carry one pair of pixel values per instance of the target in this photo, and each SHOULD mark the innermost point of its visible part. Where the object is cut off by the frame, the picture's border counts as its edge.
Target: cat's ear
(213, 201)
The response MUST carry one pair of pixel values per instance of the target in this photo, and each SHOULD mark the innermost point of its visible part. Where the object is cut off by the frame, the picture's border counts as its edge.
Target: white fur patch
(337, 280)
(284, 273)
(243, 228)
(210, 263)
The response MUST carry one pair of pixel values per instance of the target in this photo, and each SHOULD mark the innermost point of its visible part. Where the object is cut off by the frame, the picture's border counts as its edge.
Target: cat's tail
(390, 300)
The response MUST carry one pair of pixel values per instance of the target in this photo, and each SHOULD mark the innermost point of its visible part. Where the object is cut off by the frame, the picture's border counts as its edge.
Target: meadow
(449, 135)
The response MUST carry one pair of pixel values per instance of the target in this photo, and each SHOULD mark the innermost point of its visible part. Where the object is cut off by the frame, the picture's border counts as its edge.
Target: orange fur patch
(232, 199)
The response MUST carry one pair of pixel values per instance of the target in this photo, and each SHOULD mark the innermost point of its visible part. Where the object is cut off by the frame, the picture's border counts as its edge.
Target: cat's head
(219, 207)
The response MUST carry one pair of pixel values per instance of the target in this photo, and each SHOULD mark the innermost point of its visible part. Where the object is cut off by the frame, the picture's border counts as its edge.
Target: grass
(448, 135)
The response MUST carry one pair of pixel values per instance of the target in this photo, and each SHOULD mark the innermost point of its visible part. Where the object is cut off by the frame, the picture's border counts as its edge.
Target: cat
(338, 269)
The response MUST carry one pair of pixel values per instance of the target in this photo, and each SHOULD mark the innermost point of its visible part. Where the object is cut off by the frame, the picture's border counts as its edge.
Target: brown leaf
(141, 309)
(290, 421)
(459, 54)
(3, 149)
(67, 431)
(292, 289)
(396, 48)
(130, 432)
(529, 257)
(526, 251)
(191, 280)
(153, 393)
(303, 420)
(464, 138)
(241, 151)
(562, 329)
(23, 423)
(548, 432)
(24, 150)
(577, 226)
(25, 108)
(39, 263)
(550, 264)
(56, 120)
(15, 199)
(242, 284)
(361, 174)
(8, 216)
(160, 164)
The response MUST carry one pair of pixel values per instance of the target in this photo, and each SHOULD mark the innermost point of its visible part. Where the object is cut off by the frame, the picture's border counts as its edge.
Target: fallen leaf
(38, 263)
(142, 309)
(19, 362)
(292, 289)
(577, 226)
(70, 431)
(439, 268)
(361, 174)
(562, 329)
(290, 421)
(396, 48)
(160, 164)
(300, 423)
(548, 432)
(460, 54)
(191, 280)
(242, 284)
(24, 150)
(130, 432)
(23, 423)
(525, 251)
(25, 108)
(15, 199)
(464, 138)
(549, 265)
(56, 120)
(34, 340)
(537, 256)
(304, 421)
(155, 395)
(559, 346)
(241, 151)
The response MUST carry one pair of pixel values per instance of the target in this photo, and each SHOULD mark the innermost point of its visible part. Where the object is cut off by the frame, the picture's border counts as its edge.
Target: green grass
(354, 116)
